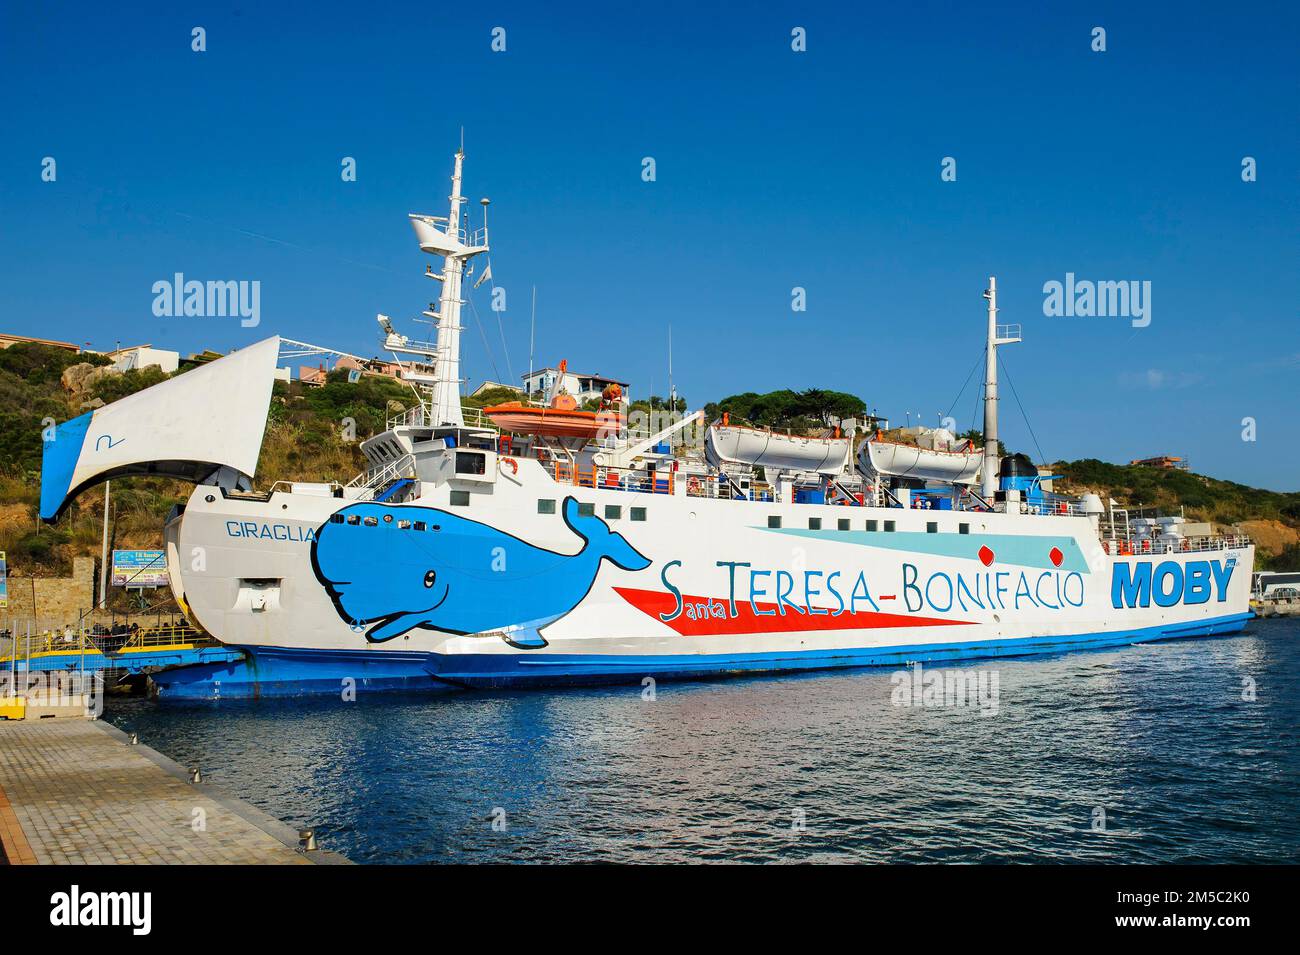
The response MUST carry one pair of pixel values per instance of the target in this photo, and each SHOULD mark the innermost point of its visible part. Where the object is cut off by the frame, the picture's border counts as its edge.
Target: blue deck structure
(132, 661)
(141, 651)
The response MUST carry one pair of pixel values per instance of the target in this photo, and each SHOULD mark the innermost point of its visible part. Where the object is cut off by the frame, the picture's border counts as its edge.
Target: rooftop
(577, 374)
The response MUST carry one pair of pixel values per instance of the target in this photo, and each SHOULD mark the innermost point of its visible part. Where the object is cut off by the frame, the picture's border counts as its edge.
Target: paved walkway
(74, 791)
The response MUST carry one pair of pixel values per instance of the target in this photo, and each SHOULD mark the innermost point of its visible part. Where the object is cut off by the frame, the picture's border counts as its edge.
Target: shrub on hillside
(43, 365)
(114, 387)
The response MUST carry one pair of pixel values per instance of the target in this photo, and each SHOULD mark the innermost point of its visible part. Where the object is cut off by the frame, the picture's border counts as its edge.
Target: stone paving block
(71, 791)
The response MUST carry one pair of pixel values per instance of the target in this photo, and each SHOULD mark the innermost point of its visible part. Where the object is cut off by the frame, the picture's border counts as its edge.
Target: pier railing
(22, 640)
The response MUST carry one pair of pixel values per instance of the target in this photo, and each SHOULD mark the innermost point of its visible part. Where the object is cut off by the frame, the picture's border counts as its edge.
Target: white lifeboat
(891, 459)
(736, 444)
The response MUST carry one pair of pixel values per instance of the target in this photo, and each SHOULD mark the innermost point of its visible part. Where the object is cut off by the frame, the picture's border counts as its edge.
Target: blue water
(1158, 737)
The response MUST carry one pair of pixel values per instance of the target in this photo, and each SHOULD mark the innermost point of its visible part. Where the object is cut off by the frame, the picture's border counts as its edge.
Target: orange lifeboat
(561, 420)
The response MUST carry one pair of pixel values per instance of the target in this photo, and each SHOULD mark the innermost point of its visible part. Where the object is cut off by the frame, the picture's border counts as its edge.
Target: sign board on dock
(139, 568)
(4, 582)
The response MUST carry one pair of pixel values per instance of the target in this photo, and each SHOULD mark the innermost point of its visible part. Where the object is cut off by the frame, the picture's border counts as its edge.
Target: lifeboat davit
(561, 419)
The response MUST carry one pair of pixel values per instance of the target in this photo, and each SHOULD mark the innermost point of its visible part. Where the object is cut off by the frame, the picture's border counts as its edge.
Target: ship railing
(418, 347)
(613, 479)
(566, 472)
(474, 238)
(1060, 507)
(418, 417)
(286, 487)
(706, 485)
(475, 418)
(373, 479)
(1186, 545)
(414, 417)
(643, 482)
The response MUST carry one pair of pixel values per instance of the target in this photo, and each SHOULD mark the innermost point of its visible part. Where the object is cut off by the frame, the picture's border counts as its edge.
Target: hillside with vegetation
(313, 434)
(1271, 518)
(801, 412)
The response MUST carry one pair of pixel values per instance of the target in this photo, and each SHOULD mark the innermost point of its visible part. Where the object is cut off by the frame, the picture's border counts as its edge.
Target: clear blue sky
(775, 169)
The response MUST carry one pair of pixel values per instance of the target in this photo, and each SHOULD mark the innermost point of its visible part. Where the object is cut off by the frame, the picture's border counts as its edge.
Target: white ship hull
(721, 590)
(448, 565)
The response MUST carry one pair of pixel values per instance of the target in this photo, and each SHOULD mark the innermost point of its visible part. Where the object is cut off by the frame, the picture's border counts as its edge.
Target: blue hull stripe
(274, 671)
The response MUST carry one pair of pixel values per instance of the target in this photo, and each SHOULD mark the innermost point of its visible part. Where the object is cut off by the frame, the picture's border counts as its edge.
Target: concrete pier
(77, 791)
(1278, 607)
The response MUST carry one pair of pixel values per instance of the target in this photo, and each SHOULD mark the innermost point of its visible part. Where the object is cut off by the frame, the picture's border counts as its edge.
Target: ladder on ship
(1117, 525)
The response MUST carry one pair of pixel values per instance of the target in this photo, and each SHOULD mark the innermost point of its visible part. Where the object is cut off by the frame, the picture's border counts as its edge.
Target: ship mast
(997, 335)
(456, 246)
(445, 402)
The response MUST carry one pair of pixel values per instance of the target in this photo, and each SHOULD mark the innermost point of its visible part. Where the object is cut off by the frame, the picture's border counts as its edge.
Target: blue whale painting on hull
(393, 568)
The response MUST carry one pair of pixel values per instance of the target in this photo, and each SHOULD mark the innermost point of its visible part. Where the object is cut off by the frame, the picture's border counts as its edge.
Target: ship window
(354, 519)
(873, 526)
(419, 525)
(460, 498)
(774, 522)
(545, 505)
(586, 510)
(932, 527)
(336, 518)
(370, 521)
(469, 462)
(814, 523)
(889, 527)
(638, 513)
(963, 528)
(844, 523)
(613, 512)
(403, 525)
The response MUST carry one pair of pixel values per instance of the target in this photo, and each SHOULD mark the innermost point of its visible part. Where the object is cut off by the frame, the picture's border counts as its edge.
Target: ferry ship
(543, 545)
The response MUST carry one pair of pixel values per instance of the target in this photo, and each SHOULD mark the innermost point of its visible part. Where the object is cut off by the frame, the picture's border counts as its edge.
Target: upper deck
(412, 445)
